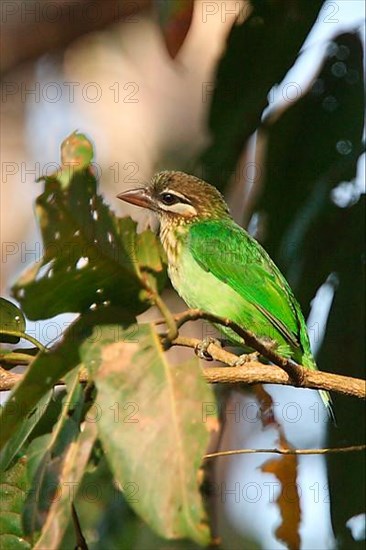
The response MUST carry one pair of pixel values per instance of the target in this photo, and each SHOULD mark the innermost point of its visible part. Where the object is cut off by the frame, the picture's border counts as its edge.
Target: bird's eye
(169, 199)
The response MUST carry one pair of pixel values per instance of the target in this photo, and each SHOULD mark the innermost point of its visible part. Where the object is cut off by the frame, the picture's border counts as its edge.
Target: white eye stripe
(179, 208)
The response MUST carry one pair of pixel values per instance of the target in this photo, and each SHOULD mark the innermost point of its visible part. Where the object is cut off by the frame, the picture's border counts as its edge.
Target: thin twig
(330, 450)
(169, 319)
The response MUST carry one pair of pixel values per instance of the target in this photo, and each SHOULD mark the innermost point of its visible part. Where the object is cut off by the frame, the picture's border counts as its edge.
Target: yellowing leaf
(152, 430)
(76, 154)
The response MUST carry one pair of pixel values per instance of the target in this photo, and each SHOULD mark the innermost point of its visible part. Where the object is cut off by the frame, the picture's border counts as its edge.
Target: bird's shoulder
(232, 255)
(225, 242)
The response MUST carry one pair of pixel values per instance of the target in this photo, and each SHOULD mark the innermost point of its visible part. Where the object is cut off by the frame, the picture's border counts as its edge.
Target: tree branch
(8, 379)
(250, 339)
(254, 372)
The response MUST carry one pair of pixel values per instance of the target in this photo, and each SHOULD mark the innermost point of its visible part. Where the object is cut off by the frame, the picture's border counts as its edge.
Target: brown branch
(250, 339)
(330, 450)
(254, 372)
(9, 379)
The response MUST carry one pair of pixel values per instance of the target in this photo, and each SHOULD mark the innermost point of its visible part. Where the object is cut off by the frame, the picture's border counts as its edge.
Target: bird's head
(178, 198)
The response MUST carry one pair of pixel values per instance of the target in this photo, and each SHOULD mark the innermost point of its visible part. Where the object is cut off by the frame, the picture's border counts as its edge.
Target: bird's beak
(138, 197)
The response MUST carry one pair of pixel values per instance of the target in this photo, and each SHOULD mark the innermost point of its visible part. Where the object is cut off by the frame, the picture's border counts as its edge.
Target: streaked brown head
(179, 196)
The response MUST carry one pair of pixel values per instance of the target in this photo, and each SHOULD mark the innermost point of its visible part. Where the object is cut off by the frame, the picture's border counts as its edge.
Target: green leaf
(259, 53)
(19, 437)
(11, 320)
(89, 255)
(13, 487)
(71, 472)
(46, 456)
(13, 542)
(49, 367)
(151, 428)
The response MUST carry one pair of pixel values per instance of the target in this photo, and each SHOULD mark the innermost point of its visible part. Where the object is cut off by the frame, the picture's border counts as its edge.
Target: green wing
(230, 254)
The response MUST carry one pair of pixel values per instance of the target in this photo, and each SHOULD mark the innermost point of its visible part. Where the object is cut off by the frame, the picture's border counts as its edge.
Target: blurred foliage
(113, 274)
(312, 148)
(98, 266)
(88, 254)
(259, 53)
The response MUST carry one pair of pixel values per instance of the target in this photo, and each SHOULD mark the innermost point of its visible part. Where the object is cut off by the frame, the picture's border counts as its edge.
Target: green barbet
(216, 266)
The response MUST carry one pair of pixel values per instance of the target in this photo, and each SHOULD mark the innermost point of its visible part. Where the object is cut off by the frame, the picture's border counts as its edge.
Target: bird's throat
(172, 236)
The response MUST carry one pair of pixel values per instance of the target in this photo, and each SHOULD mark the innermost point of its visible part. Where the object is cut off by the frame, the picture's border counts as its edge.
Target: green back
(227, 251)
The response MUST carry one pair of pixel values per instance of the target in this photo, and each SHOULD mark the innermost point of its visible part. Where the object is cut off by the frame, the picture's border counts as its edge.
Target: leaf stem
(15, 358)
(168, 319)
(25, 336)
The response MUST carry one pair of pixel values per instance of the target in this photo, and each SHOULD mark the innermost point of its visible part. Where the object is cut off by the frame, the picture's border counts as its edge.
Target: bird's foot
(202, 347)
(246, 358)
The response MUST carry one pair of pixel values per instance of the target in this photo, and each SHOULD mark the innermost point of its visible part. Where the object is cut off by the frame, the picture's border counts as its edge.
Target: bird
(218, 267)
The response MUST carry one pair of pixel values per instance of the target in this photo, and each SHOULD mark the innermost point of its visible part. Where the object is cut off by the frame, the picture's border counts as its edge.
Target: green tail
(308, 361)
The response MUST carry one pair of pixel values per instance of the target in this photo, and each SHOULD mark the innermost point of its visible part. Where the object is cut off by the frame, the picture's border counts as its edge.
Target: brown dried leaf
(175, 19)
(266, 406)
(288, 501)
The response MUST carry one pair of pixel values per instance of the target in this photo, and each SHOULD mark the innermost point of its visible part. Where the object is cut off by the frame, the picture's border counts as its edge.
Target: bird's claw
(201, 348)
(246, 358)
